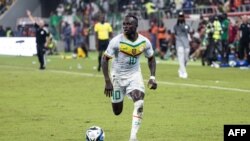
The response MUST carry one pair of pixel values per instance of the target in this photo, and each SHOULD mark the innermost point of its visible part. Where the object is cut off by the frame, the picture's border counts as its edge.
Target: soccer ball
(95, 133)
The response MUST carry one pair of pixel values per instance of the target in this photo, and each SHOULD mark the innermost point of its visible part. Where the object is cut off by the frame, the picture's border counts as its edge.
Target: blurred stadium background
(14, 22)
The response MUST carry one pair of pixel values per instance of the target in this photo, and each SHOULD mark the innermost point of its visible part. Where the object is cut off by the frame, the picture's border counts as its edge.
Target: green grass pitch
(60, 103)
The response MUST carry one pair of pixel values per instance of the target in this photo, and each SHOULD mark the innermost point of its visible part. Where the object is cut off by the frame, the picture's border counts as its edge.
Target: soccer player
(42, 38)
(103, 32)
(126, 78)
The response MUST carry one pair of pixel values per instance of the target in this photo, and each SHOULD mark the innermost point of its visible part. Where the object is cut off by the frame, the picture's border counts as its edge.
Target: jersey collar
(129, 39)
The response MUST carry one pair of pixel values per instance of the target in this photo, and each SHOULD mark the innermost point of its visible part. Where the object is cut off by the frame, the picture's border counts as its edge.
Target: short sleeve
(110, 51)
(110, 28)
(149, 52)
(96, 27)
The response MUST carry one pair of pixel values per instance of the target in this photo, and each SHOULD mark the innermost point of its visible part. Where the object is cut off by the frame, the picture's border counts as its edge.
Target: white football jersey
(126, 54)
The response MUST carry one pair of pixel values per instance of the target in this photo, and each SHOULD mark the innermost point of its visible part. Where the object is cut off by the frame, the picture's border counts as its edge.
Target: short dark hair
(132, 16)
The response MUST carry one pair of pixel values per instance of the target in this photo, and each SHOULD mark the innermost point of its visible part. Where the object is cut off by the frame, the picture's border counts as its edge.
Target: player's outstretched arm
(30, 16)
(108, 84)
(152, 67)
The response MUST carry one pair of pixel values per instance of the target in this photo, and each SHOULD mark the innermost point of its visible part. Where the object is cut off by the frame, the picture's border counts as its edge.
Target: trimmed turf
(60, 103)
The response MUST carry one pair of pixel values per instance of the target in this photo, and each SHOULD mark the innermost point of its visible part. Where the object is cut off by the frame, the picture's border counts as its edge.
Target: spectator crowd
(4, 5)
(217, 38)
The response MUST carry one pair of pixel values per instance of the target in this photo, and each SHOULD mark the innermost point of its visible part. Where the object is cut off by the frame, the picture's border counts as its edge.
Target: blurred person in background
(200, 42)
(60, 10)
(161, 36)
(2, 31)
(187, 6)
(19, 30)
(224, 39)
(78, 38)
(9, 32)
(103, 33)
(171, 50)
(195, 45)
(150, 9)
(170, 8)
(55, 21)
(41, 39)
(217, 39)
(66, 36)
(52, 46)
(243, 35)
(2, 7)
(179, 5)
(182, 31)
(85, 34)
(153, 33)
(232, 31)
(209, 54)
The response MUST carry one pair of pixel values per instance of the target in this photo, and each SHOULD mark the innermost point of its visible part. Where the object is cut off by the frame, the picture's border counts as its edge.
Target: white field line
(204, 86)
(159, 82)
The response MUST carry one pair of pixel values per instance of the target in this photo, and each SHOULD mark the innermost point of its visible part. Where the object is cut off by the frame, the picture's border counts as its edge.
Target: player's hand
(152, 84)
(108, 91)
(28, 12)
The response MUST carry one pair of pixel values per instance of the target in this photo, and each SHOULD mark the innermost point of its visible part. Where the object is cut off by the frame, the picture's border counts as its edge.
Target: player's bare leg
(117, 108)
(137, 97)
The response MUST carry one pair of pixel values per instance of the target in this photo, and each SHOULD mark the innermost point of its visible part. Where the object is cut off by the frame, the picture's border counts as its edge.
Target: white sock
(137, 118)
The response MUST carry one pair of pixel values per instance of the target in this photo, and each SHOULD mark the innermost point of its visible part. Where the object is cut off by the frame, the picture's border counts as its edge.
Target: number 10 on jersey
(132, 60)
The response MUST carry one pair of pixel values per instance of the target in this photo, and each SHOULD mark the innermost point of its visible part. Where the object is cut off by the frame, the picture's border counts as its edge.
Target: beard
(181, 20)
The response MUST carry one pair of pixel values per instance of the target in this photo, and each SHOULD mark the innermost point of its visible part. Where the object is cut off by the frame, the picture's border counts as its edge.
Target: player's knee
(137, 95)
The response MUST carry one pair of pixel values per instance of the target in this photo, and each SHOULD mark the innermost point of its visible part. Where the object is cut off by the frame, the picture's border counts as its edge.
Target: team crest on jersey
(132, 50)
